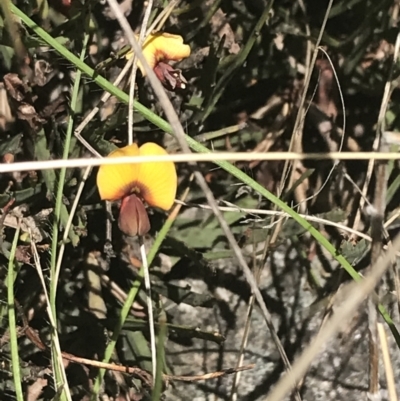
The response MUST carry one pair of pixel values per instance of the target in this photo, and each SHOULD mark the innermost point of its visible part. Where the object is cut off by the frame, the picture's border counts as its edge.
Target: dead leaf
(6, 117)
(34, 391)
(33, 225)
(54, 108)
(16, 89)
(221, 26)
(23, 101)
(28, 113)
(23, 254)
(43, 72)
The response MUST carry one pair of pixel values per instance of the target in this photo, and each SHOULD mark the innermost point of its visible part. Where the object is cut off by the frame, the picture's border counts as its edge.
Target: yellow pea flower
(135, 184)
(158, 49)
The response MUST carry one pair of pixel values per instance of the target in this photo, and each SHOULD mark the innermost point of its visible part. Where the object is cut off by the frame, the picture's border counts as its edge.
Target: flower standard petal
(167, 46)
(162, 47)
(115, 181)
(157, 182)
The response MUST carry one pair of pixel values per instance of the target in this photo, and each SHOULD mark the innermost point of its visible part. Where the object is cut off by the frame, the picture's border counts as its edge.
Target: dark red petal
(133, 219)
(171, 78)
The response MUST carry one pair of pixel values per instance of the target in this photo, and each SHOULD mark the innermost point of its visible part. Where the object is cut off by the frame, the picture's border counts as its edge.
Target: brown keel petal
(171, 78)
(133, 219)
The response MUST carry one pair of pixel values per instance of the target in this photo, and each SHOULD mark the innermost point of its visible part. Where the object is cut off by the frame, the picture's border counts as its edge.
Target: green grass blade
(162, 334)
(12, 320)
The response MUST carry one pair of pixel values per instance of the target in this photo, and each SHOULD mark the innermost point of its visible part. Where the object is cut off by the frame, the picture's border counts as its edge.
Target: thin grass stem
(147, 286)
(12, 323)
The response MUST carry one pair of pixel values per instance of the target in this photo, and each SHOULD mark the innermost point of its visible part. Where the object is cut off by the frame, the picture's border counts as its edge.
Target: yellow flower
(150, 182)
(158, 49)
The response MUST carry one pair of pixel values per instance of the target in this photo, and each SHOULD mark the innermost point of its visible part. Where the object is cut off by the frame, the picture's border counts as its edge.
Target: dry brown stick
(387, 363)
(29, 332)
(146, 376)
(212, 375)
(376, 249)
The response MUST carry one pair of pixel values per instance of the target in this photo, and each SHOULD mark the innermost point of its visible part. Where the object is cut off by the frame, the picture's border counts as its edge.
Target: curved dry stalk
(387, 363)
(296, 139)
(297, 129)
(343, 127)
